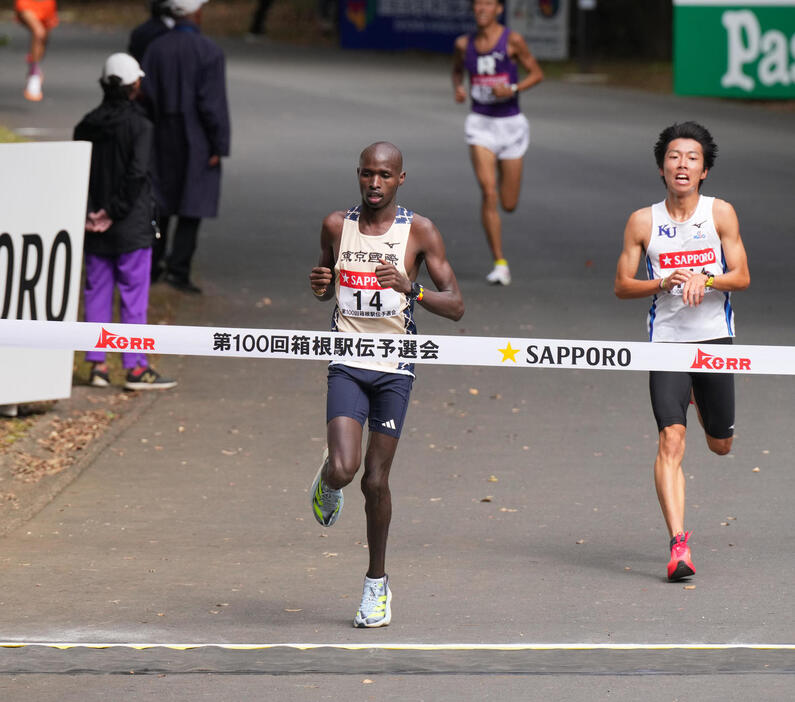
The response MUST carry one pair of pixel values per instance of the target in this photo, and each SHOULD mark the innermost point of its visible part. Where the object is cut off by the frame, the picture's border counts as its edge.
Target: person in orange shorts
(40, 17)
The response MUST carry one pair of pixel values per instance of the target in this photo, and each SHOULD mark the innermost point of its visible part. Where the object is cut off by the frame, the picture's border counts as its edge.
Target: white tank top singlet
(363, 306)
(692, 244)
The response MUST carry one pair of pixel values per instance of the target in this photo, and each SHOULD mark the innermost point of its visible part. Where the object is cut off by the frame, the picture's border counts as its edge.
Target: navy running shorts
(361, 394)
(713, 393)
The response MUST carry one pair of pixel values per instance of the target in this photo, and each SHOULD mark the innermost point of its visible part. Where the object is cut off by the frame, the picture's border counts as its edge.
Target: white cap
(180, 8)
(124, 67)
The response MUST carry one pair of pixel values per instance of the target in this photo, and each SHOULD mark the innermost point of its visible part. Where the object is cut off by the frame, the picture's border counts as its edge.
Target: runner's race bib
(362, 296)
(483, 88)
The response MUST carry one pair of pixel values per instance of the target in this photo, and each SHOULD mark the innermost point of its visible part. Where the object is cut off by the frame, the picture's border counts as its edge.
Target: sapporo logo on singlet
(687, 259)
(707, 361)
(108, 340)
(361, 295)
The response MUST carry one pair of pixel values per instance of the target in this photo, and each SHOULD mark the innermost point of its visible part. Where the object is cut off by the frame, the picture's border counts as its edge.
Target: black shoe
(182, 284)
(98, 378)
(147, 379)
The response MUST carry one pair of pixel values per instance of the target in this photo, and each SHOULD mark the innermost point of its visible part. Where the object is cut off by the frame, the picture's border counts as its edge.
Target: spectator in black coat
(144, 34)
(119, 223)
(185, 87)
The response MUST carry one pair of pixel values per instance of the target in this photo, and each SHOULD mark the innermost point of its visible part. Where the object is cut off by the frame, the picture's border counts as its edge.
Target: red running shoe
(680, 566)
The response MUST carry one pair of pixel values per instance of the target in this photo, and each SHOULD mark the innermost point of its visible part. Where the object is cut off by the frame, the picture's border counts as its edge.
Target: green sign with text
(735, 49)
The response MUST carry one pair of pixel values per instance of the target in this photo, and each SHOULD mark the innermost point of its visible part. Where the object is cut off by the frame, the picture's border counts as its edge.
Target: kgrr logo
(108, 340)
(707, 361)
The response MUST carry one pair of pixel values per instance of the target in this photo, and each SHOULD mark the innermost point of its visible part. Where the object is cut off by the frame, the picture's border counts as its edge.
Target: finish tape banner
(294, 344)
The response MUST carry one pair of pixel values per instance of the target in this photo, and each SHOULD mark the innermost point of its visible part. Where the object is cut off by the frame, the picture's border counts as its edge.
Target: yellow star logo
(508, 353)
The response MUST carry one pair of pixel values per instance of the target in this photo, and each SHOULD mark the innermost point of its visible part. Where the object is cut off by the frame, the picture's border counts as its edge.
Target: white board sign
(544, 24)
(43, 195)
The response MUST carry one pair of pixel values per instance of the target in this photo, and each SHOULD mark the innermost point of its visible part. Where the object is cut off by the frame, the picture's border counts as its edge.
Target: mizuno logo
(698, 226)
(389, 424)
(391, 244)
(107, 340)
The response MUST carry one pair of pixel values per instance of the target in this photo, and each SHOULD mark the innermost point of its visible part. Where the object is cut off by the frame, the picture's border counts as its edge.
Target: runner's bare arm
(446, 300)
(520, 52)
(636, 233)
(459, 51)
(321, 278)
(736, 276)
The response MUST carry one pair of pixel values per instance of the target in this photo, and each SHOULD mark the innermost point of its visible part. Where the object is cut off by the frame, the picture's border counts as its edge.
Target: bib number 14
(361, 302)
(375, 300)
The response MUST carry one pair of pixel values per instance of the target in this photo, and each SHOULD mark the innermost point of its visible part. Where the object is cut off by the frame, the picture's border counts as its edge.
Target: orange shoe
(680, 566)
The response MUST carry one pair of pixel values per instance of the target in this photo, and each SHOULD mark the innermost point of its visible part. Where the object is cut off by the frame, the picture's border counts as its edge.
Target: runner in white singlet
(369, 260)
(695, 258)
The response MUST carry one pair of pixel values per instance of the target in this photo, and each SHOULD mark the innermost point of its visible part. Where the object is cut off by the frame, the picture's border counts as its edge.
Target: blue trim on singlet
(402, 216)
(410, 327)
(653, 308)
(728, 312)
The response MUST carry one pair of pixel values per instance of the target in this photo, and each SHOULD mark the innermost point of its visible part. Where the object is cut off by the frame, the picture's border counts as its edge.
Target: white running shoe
(375, 609)
(326, 503)
(501, 275)
(33, 88)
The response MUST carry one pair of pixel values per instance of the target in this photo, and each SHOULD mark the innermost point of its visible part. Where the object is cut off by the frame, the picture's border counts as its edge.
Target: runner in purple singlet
(496, 130)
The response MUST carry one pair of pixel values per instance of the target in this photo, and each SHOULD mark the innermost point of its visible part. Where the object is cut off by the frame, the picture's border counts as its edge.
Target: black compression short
(713, 393)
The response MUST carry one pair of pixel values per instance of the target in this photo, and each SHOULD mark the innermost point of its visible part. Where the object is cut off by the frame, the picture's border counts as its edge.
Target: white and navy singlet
(363, 306)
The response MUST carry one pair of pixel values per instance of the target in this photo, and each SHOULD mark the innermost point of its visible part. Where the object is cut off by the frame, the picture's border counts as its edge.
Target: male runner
(376, 238)
(689, 304)
(497, 132)
(40, 17)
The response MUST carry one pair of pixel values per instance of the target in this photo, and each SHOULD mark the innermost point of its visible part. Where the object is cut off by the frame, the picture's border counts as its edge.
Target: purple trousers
(130, 274)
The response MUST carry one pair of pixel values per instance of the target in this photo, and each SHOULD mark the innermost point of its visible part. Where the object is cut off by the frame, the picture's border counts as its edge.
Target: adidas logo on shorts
(389, 424)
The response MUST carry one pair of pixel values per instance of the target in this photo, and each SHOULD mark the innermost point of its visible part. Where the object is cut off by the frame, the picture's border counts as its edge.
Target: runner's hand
(320, 278)
(694, 289)
(390, 277)
(460, 93)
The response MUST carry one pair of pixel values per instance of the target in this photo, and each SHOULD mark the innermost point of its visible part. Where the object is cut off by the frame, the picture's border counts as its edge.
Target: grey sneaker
(148, 379)
(326, 503)
(375, 609)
